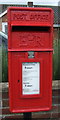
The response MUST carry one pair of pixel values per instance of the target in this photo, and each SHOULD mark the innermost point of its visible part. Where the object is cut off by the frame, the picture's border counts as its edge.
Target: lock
(31, 54)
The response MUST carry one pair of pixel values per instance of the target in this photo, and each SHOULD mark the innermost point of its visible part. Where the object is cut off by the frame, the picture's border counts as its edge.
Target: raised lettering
(31, 16)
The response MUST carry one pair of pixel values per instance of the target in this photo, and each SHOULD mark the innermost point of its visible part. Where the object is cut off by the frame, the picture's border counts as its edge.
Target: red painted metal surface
(30, 29)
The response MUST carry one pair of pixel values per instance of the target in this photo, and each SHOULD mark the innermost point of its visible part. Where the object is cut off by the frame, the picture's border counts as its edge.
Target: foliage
(4, 63)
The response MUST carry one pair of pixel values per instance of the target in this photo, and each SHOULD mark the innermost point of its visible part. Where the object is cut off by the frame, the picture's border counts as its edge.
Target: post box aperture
(30, 32)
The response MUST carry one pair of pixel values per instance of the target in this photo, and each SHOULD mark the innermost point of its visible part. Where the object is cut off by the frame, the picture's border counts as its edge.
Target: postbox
(30, 48)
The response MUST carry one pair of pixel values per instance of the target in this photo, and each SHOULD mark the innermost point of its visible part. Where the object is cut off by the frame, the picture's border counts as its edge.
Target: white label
(30, 78)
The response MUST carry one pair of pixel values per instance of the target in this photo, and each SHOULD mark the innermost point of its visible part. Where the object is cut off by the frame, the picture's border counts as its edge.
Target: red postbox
(30, 35)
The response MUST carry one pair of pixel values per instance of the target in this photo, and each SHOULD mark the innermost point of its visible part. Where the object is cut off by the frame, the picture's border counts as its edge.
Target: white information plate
(30, 78)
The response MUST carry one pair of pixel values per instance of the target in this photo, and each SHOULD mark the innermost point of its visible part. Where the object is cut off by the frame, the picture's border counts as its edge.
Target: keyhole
(18, 81)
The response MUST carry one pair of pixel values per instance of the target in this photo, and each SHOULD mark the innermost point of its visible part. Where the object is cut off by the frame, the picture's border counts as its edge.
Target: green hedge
(4, 64)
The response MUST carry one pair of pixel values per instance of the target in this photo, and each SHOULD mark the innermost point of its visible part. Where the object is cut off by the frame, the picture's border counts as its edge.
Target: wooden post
(27, 116)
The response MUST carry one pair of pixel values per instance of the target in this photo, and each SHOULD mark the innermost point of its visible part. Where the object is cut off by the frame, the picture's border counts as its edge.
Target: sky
(35, 2)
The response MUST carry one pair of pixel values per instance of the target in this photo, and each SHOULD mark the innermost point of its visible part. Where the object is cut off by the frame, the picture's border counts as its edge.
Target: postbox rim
(29, 8)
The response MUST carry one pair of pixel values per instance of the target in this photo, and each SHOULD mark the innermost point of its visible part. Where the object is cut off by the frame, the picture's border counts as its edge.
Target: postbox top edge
(30, 8)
